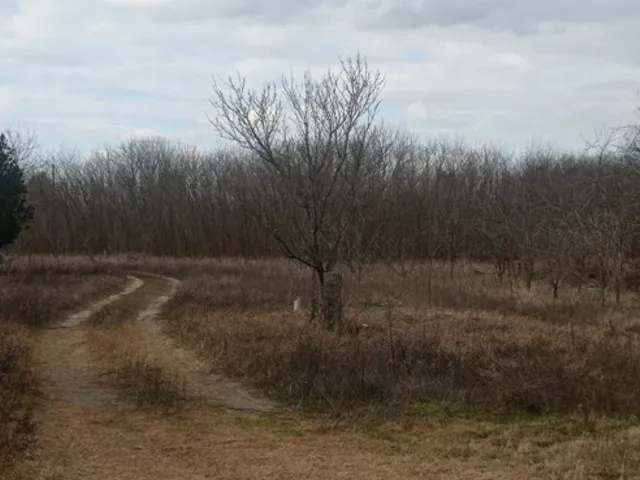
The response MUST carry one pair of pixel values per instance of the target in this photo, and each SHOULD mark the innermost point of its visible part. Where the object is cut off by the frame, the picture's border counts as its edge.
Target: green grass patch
(469, 412)
(261, 422)
(560, 427)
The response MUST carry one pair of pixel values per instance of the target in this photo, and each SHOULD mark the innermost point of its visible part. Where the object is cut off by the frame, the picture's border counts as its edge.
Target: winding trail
(70, 375)
(64, 361)
(200, 382)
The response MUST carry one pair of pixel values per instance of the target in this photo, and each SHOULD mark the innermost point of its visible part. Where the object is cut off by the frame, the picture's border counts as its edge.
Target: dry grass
(119, 347)
(84, 444)
(474, 288)
(471, 344)
(131, 263)
(37, 299)
(144, 378)
(17, 393)
(613, 455)
(505, 381)
(468, 368)
(127, 308)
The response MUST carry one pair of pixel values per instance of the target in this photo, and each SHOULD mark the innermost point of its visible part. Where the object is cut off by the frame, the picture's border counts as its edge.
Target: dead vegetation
(126, 309)
(145, 379)
(37, 299)
(31, 300)
(473, 343)
(18, 385)
(466, 374)
(493, 373)
(120, 349)
(609, 455)
(115, 266)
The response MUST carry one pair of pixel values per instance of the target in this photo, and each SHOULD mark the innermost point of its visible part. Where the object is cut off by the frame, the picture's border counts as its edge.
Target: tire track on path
(64, 361)
(199, 379)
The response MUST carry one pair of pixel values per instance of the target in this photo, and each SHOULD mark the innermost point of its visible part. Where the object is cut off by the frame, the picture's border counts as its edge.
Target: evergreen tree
(15, 212)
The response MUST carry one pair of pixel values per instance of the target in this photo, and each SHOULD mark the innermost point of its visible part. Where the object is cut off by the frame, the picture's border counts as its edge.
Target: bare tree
(25, 146)
(559, 198)
(607, 221)
(312, 146)
(495, 209)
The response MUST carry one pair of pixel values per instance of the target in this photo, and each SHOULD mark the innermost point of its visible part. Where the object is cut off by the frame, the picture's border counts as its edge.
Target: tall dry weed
(18, 389)
(38, 299)
(145, 378)
(500, 360)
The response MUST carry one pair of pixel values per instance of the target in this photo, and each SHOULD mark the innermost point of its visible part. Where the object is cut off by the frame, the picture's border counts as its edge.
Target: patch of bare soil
(200, 382)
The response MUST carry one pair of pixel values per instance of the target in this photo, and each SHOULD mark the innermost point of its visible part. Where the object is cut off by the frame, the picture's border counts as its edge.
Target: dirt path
(70, 375)
(86, 429)
(64, 363)
(200, 381)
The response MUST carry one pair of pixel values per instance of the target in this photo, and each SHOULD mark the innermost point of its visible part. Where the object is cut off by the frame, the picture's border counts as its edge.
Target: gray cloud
(89, 72)
(440, 13)
(8, 7)
(519, 17)
(198, 11)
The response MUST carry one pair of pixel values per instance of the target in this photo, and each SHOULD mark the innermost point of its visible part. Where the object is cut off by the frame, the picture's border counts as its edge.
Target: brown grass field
(471, 378)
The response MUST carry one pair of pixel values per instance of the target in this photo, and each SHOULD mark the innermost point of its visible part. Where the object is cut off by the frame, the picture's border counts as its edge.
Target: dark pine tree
(15, 212)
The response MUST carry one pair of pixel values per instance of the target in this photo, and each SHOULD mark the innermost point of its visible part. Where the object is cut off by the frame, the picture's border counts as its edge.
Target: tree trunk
(327, 299)
(332, 302)
(317, 280)
(529, 272)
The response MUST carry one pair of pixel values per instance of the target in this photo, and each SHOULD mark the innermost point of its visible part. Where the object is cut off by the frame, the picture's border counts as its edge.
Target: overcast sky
(89, 72)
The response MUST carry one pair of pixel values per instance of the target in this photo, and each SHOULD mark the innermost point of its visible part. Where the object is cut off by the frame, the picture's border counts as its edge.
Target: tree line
(436, 200)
